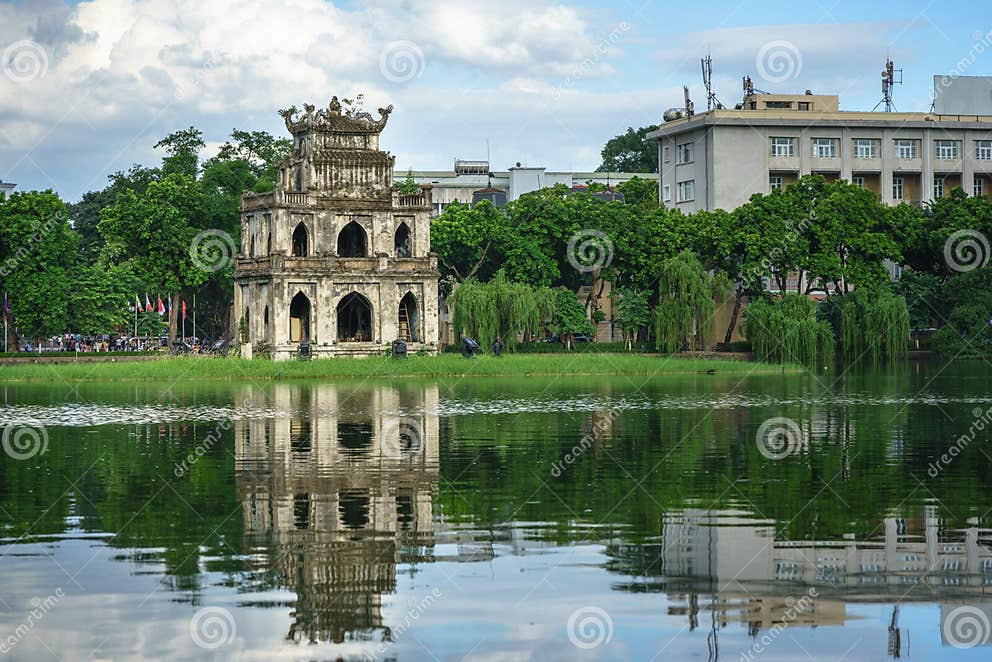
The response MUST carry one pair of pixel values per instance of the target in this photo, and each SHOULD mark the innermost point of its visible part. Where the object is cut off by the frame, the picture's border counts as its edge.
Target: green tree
(570, 319)
(633, 314)
(155, 231)
(182, 149)
(37, 249)
(684, 314)
(631, 152)
(786, 330)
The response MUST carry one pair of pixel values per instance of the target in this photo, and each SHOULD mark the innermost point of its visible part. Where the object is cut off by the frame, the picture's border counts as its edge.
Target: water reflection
(337, 494)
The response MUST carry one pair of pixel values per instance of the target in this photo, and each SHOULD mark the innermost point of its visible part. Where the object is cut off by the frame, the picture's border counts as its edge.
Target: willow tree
(874, 325)
(787, 330)
(684, 316)
(501, 308)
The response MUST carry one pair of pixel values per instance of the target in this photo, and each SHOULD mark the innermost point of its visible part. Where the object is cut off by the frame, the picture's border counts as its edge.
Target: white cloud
(119, 74)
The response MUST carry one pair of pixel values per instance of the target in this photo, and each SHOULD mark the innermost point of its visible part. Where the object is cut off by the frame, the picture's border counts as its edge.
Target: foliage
(922, 292)
(409, 186)
(501, 308)
(633, 313)
(569, 318)
(631, 152)
(968, 330)
(37, 250)
(786, 330)
(874, 325)
(684, 314)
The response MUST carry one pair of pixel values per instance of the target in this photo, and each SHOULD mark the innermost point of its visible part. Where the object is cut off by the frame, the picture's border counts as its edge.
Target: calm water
(772, 518)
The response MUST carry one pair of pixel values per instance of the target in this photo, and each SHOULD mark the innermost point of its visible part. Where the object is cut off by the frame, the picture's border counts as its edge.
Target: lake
(831, 516)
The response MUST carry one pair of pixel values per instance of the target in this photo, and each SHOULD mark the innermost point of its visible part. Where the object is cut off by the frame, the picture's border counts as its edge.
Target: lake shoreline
(116, 369)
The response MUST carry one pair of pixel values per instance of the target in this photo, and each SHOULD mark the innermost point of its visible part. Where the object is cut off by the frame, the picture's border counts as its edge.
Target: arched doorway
(251, 249)
(301, 241)
(354, 319)
(247, 319)
(409, 319)
(265, 325)
(299, 318)
(352, 241)
(401, 242)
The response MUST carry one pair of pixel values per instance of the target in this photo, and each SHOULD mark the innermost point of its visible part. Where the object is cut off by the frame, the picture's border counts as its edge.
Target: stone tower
(336, 256)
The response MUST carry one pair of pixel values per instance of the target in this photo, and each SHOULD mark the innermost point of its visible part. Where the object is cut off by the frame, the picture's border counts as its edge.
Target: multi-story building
(6, 186)
(718, 159)
(336, 260)
(471, 181)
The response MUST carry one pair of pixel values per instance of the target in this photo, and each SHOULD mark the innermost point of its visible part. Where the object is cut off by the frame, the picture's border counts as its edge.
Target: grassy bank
(206, 368)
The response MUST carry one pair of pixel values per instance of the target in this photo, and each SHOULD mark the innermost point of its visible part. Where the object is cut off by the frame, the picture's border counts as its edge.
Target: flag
(137, 303)
(170, 306)
(161, 307)
(148, 303)
(184, 311)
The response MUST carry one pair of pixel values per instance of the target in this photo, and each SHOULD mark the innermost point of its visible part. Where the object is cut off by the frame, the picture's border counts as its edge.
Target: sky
(88, 88)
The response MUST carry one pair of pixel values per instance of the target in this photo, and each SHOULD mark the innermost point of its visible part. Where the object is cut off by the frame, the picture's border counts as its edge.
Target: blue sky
(88, 88)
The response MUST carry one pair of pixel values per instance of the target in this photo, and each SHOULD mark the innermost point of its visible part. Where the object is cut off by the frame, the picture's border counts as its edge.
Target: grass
(445, 365)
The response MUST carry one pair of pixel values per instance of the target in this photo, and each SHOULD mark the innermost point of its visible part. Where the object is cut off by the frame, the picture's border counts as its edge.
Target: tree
(466, 241)
(786, 330)
(685, 310)
(633, 313)
(37, 249)
(631, 152)
(409, 186)
(640, 192)
(569, 319)
(501, 308)
(182, 150)
(155, 231)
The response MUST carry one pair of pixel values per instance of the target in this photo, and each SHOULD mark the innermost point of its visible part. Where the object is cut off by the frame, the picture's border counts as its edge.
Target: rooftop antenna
(888, 80)
(711, 100)
(690, 109)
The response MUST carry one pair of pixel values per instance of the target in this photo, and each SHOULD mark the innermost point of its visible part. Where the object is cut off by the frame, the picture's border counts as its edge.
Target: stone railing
(330, 264)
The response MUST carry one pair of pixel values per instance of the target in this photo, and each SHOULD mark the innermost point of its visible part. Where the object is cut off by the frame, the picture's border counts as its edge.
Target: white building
(470, 181)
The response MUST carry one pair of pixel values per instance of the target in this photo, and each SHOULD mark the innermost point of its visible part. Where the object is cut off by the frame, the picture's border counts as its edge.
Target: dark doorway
(301, 241)
(352, 241)
(265, 325)
(409, 320)
(401, 243)
(354, 319)
(299, 319)
(353, 505)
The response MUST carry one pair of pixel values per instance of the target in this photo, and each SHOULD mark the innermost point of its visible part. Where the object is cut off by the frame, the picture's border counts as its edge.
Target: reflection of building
(336, 257)
(338, 491)
(724, 563)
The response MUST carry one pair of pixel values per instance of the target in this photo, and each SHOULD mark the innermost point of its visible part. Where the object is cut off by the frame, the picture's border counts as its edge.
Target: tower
(336, 258)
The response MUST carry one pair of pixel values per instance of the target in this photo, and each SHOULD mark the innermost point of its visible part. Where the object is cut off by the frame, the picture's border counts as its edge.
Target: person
(469, 347)
(497, 346)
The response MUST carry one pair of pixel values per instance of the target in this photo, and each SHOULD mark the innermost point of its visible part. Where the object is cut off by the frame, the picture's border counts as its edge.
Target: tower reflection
(336, 491)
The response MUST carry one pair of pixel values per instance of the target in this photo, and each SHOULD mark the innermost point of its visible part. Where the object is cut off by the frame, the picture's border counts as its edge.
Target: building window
(687, 191)
(905, 148)
(783, 146)
(946, 149)
(803, 105)
(775, 183)
(778, 104)
(983, 150)
(938, 187)
(979, 188)
(685, 153)
(666, 193)
(858, 181)
(898, 188)
(666, 157)
(864, 148)
(824, 148)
